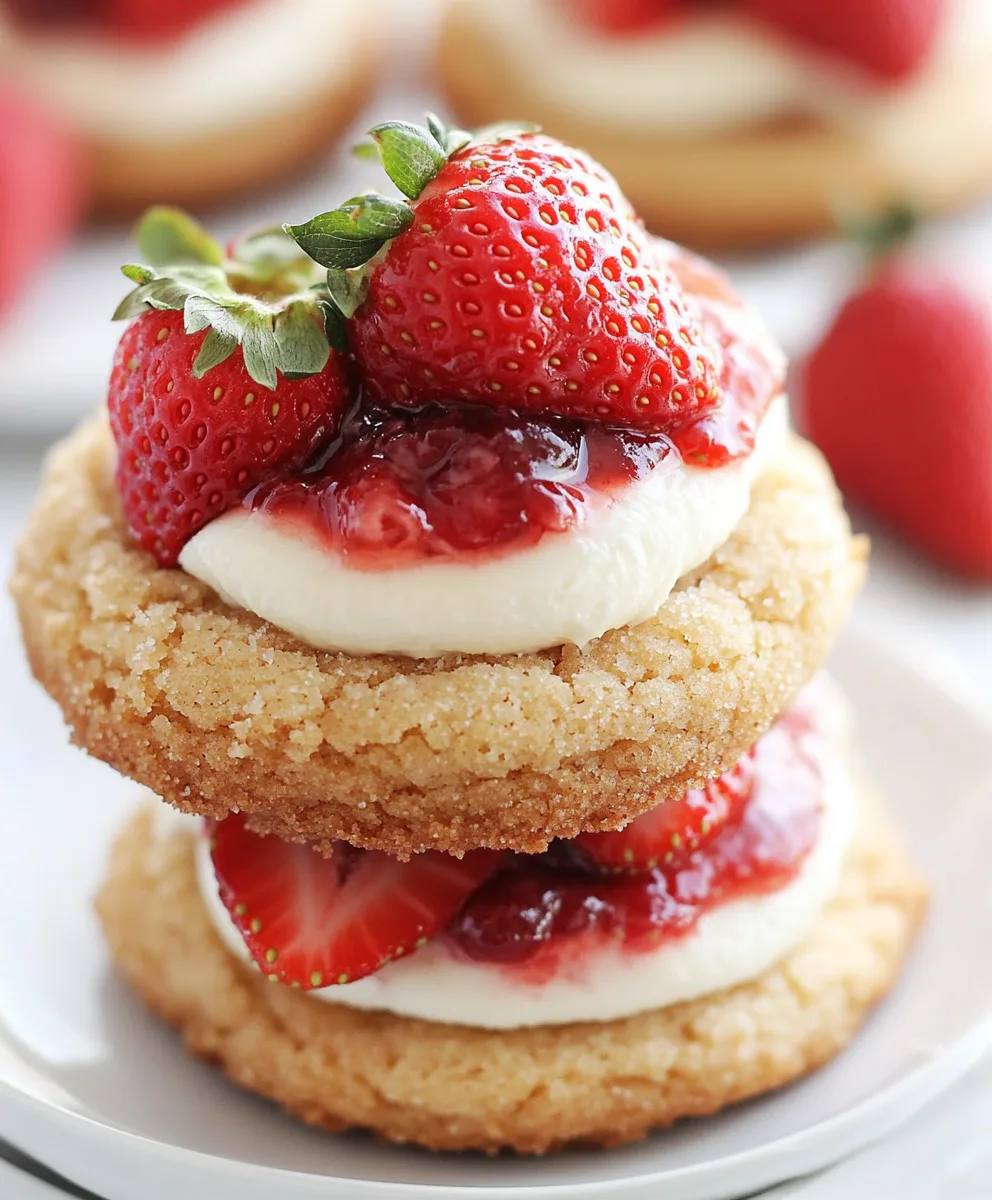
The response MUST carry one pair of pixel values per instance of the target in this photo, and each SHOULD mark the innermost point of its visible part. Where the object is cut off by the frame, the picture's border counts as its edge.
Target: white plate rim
(802, 1152)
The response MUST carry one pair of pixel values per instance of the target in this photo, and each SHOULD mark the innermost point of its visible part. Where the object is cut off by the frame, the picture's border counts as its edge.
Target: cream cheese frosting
(616, 568)
(730, 944)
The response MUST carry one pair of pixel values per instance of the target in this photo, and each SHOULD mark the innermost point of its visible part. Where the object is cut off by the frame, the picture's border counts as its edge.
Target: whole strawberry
(517, 276)
(899, 397)
(224, 379)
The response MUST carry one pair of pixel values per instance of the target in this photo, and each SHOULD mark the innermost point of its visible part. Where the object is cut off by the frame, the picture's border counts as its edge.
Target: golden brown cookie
(449, 1087)
(215, 710)
(762, 185)
(127, 176)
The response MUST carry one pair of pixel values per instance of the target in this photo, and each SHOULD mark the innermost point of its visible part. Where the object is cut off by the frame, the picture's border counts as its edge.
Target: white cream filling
(730, 944)
(717, 72)
(616, 568)
(233, 68)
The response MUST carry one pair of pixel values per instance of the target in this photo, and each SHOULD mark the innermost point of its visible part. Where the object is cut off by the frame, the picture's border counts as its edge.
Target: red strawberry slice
(676, 829)
(42, 190)
(518, 277)
(201, 418)
(312, 921)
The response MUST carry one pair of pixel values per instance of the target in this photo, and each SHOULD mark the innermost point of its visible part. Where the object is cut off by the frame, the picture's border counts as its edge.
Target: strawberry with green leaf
(225, 378)
(514, 274)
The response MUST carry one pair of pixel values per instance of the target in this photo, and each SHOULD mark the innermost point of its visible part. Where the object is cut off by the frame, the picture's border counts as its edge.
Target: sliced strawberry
(311, 921)
(674, 830)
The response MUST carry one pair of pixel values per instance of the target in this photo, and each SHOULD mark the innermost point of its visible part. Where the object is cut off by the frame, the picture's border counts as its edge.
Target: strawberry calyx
(347, 239)
(263, 297)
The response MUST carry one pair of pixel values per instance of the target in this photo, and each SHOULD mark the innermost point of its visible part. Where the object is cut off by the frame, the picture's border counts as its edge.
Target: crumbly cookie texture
(215, 710)
(535, 1090)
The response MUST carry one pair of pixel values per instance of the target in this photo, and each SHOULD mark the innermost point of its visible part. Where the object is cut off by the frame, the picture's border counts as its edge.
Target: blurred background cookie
(193, 100)
(743, 123)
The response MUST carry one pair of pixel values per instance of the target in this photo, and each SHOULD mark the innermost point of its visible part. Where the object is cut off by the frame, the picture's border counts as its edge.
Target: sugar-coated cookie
(453, 1088)
(215, 710)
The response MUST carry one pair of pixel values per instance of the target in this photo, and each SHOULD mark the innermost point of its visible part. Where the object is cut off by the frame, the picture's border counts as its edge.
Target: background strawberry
(519, 277)
(224, 379)
(890, 38)
(144, 20)
(312, 921)
(157, 20)
(626, 16)
(899, 397)
(42, 189)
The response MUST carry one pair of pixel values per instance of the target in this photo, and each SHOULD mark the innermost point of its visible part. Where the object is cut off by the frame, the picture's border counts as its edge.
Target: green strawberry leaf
(137, 274)
(301, 343)
(449, 136)
(410, 154)
(168, 237)
(216, 348)
(352, 234)
(348, 289)
(334, 326)
(258, 344)
(269, 299)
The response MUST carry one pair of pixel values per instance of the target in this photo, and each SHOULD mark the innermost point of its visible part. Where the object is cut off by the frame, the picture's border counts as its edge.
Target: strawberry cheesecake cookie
(189, 101)
(740, 122)
(447, 561)
(552, 556)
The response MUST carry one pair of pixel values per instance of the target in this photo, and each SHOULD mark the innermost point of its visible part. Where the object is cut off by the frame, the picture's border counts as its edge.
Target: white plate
(95, 1087)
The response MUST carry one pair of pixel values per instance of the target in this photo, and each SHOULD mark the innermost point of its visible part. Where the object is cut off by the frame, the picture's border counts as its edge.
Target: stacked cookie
(513, 815)
(759, 122)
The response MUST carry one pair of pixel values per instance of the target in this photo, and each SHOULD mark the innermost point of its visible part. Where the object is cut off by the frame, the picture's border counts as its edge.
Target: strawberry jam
(400, 487)
(133, 20)
(539, 911)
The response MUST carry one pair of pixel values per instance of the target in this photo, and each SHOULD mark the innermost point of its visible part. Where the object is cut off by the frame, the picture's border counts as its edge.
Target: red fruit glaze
(402, 487)
(899, 398)
(889, 38)
(626, 16)
(525, 281)
(752, 372)
(189, 449)
(670, 834)
(161, 20)
(42, 190)
(311, 921)
(536, 911)
(141, 20)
